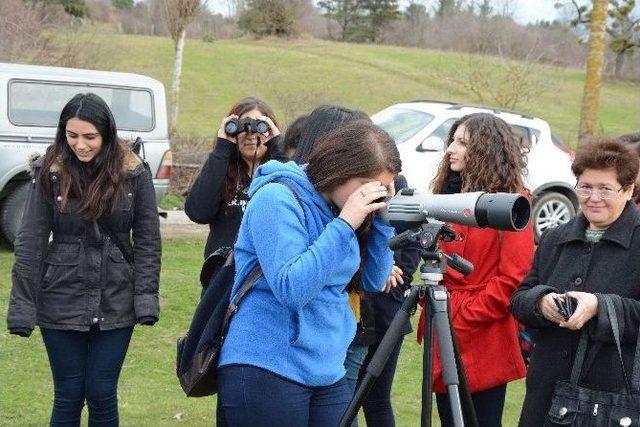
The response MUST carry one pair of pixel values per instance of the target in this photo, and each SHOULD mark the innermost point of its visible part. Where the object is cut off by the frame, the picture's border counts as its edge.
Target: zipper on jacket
(595, 410)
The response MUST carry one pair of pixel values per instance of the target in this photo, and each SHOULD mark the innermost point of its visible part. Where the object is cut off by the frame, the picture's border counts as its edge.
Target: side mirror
(432, 143)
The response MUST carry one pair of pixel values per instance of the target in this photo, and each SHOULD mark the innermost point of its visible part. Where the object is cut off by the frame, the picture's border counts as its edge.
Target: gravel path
(178, 225)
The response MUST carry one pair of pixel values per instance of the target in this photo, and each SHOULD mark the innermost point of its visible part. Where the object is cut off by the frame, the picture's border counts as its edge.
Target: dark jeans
(377, 405)
(487, 403)
(254, 397)
(86, 366)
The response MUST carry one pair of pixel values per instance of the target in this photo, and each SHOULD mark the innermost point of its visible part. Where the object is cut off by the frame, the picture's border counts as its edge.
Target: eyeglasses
(603, 193)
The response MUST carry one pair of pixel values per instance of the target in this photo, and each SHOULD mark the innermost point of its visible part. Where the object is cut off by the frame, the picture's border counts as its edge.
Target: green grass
(149, 392)
(171, 201)
(295, 76)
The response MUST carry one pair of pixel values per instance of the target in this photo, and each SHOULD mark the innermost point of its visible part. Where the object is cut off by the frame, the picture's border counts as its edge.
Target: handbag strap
(582, 346)
(635, 376)
(613, 320)
(579, 358)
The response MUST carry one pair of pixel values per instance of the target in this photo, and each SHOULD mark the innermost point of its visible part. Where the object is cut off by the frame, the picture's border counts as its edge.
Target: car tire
(12, 211)
(550, 210)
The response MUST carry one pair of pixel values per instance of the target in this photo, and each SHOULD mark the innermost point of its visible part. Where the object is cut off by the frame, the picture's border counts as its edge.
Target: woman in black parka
(87, 260)
(594, 254)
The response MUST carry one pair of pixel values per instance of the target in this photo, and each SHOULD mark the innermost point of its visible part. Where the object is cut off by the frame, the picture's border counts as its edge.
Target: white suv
(420, 129)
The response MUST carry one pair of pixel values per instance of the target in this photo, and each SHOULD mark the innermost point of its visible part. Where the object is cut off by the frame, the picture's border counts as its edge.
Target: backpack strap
(251, 279)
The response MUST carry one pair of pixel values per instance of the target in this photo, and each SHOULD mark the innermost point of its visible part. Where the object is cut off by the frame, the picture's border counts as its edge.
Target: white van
(31, 98)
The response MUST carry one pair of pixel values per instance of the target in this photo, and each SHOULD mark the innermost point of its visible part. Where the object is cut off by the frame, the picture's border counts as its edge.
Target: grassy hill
(295, 76)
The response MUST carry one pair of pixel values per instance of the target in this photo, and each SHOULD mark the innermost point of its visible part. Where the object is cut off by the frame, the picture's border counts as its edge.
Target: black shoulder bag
(574, 405)
(198, 351)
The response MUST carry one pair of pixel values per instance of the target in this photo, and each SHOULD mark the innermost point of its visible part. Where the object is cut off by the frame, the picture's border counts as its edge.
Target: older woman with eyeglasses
(595, 254)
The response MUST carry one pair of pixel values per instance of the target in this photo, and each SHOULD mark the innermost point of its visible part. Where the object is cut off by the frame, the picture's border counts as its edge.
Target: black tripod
(435, 297)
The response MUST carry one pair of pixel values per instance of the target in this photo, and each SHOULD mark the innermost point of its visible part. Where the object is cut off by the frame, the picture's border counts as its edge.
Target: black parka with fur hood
(78, 277)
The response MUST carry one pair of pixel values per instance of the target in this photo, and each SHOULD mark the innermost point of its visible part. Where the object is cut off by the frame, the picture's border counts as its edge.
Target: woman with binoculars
(247, 137)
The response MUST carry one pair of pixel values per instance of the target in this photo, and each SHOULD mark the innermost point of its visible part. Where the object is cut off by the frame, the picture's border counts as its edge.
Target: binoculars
(236, 126)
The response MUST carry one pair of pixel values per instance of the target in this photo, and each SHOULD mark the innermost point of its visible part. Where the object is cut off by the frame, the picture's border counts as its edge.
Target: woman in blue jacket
(283, 358)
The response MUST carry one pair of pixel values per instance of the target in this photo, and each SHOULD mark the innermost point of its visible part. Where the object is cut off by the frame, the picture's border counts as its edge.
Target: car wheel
(12, 210)
(551, 210)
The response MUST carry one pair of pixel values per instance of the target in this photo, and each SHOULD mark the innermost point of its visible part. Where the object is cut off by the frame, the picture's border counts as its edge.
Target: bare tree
(178, 15)
(496, 81)
(624, 31)
(622, 26)
(595, 62)
(21, 31)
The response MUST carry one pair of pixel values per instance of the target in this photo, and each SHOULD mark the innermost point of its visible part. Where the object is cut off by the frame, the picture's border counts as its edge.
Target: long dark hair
(292, 136)
(355, 149)
(238, 170)
(496, 157)
(98, 185)
(323, 120)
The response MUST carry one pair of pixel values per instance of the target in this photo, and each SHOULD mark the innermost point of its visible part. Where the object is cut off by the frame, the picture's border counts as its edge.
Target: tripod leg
(427, 366)
(453, 375)
(468, 410)
(379, 359)
(449, 368)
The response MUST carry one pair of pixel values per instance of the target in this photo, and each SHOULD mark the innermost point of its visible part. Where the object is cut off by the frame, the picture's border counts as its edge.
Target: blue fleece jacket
(296, 321)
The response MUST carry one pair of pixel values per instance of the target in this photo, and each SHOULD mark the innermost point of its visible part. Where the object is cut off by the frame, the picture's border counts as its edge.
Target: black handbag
(574, 405)
(198, 351)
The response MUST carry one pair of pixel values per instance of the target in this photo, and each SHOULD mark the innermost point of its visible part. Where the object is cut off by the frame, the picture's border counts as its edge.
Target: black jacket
(80, 278)
(204, 201)
(565, 261)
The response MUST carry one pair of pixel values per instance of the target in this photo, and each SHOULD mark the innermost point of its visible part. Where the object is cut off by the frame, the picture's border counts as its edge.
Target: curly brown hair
(496, 157)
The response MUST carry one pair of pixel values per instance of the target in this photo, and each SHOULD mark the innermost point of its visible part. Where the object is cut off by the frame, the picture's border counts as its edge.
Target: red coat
(486, 332)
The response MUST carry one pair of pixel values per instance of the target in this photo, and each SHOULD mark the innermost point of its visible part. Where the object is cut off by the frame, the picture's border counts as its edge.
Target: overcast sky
(524, 11)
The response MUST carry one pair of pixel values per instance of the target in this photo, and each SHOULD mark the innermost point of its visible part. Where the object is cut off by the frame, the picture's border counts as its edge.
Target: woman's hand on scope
(362, 202)
(221, 131)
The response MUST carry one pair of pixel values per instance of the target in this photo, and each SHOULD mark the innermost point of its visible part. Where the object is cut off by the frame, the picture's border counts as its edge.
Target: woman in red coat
(484, 154)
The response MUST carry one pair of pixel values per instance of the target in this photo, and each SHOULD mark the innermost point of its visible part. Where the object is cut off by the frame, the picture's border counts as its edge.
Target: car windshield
(402, 123)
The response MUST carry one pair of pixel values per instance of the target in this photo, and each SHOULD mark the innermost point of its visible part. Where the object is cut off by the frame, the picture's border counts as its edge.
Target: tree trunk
(619, 63)
(595, 61)
(175, 81)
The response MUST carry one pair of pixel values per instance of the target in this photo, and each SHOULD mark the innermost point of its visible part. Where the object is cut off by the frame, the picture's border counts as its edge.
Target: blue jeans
(355, 357)
(377, 404)
(353, 362)
(86, 366)
(254, 397)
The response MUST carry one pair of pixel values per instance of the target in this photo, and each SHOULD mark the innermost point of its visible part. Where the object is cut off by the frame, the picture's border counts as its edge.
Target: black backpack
(198, 351)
